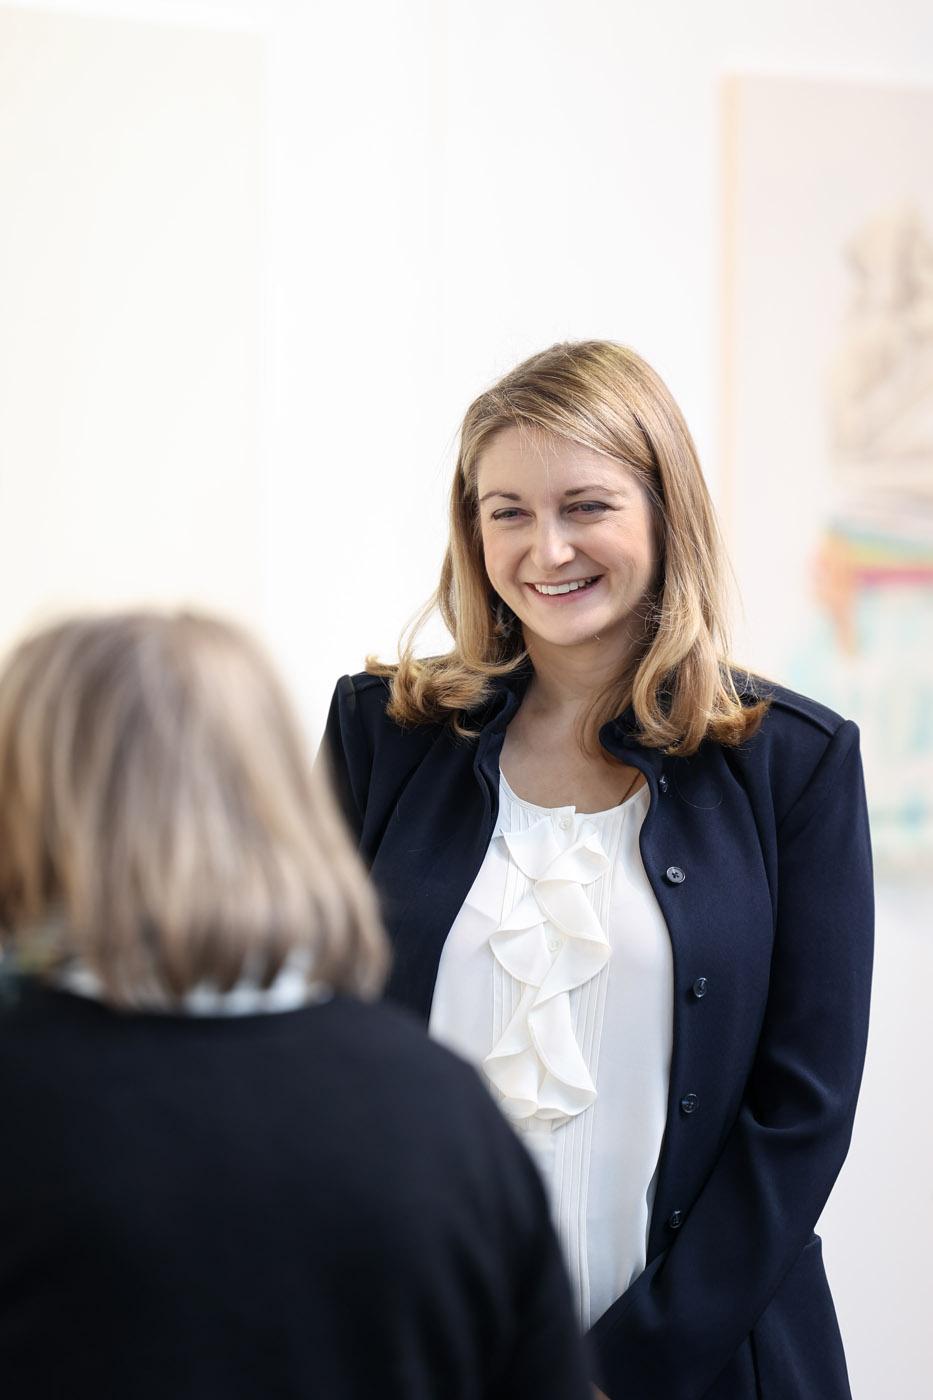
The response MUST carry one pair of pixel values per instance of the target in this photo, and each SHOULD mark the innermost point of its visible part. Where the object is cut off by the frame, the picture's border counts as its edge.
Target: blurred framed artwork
(827, 375)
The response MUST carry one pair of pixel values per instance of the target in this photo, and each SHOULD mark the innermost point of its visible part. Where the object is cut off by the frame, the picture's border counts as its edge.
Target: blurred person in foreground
(223, 1174)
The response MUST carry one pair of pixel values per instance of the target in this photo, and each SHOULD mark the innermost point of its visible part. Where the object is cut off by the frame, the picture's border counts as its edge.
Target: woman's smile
(565, 590)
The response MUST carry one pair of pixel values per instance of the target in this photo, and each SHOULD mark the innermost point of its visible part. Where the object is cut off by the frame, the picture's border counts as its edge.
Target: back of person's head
(160, 825)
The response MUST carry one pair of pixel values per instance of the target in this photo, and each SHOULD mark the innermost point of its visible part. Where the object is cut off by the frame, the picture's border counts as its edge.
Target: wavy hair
(159, 822)
(679, 681)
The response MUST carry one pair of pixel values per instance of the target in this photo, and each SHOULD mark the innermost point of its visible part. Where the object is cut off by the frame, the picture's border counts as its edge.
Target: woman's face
(567, 539)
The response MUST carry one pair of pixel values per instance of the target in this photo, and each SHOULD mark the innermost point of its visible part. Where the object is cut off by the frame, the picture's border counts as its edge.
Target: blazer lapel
(435, 843)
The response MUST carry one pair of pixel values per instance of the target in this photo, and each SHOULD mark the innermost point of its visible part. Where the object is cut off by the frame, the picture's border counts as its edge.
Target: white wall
(132, 179)
(449, 185)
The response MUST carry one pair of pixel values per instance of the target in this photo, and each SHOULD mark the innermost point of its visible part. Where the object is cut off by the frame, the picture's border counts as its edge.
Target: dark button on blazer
(760, 860)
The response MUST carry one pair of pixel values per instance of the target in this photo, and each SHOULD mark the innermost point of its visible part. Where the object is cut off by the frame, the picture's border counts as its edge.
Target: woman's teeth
(552, 588)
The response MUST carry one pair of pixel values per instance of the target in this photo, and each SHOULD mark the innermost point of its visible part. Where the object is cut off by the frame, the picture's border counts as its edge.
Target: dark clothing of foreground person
(309, 1203)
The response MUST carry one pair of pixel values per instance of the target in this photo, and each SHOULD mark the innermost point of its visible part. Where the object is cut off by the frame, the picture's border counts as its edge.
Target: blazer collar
(620, 736)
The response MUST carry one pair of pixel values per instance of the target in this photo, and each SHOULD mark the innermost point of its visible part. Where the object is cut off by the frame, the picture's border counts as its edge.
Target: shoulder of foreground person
(433, 1124)
(395, 1040)
(436, 1109)
(474, 1154)
(381, 1145)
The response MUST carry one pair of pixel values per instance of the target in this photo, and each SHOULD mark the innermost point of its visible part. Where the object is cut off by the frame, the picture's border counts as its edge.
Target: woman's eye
(589, 508)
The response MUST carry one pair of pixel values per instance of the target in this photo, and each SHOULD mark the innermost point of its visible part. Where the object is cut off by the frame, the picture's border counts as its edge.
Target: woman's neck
(566, 679)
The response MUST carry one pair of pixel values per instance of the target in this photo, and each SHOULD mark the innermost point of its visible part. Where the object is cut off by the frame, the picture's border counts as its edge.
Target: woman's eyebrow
(574, 491)
(595, 486)
(509, 496)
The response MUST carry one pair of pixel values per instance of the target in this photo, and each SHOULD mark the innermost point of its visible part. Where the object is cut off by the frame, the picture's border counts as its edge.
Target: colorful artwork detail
(873, 657)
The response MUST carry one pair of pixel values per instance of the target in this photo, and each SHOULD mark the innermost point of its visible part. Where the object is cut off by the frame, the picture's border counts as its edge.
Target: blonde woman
(223, 1175)
(630, 883)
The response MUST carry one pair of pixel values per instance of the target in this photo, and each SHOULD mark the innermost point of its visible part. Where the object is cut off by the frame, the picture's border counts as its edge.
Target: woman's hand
(598, 1394)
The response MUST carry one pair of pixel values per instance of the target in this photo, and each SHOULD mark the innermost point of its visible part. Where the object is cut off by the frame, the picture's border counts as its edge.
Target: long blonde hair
(680, 684)
(159, 821)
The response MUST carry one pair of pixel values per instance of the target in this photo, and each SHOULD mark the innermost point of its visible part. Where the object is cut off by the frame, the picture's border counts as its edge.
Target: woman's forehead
(526, 460)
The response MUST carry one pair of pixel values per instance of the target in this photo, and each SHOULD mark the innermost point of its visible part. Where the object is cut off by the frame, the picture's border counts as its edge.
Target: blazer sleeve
(345, 755)
(680, 1322)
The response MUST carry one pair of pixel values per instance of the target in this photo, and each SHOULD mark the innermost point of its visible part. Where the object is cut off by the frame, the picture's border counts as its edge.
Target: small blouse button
(700, 987)
(674, 875)
(565, 823)
(675, 1219)
(553, 944)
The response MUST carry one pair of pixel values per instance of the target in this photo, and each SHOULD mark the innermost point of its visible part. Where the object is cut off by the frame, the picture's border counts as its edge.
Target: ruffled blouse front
(556, 979)
(551, 942)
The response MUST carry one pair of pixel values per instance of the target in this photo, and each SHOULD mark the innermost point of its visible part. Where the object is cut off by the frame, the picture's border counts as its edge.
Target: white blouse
(557, 979)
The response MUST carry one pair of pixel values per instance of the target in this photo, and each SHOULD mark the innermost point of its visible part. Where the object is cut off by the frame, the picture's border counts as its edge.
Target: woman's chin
(579, 633)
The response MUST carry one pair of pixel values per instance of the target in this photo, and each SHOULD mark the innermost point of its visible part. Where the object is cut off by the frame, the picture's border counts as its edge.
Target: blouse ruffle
(551, 942)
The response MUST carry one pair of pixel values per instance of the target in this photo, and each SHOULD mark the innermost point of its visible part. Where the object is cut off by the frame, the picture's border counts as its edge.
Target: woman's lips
(564, 598)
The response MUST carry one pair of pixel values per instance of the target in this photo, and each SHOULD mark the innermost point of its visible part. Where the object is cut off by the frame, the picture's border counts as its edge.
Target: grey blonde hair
(680, 684)
(158, 814)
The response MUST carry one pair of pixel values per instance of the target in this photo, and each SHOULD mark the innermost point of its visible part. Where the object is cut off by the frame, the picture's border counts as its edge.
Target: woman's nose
(550, 547)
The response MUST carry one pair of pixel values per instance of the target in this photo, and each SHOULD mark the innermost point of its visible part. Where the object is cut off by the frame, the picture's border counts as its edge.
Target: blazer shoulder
(798, 748)
(378, 753)
(789, 711)
(366, 697)
(359, 703)
(366, 680)
(373, 691)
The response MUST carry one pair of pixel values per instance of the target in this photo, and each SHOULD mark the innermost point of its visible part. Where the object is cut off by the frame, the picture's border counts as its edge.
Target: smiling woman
(583, 443)
(579, 820)
(573, 561)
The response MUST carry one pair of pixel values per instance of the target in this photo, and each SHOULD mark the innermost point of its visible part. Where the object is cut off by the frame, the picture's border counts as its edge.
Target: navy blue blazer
(760, 860)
